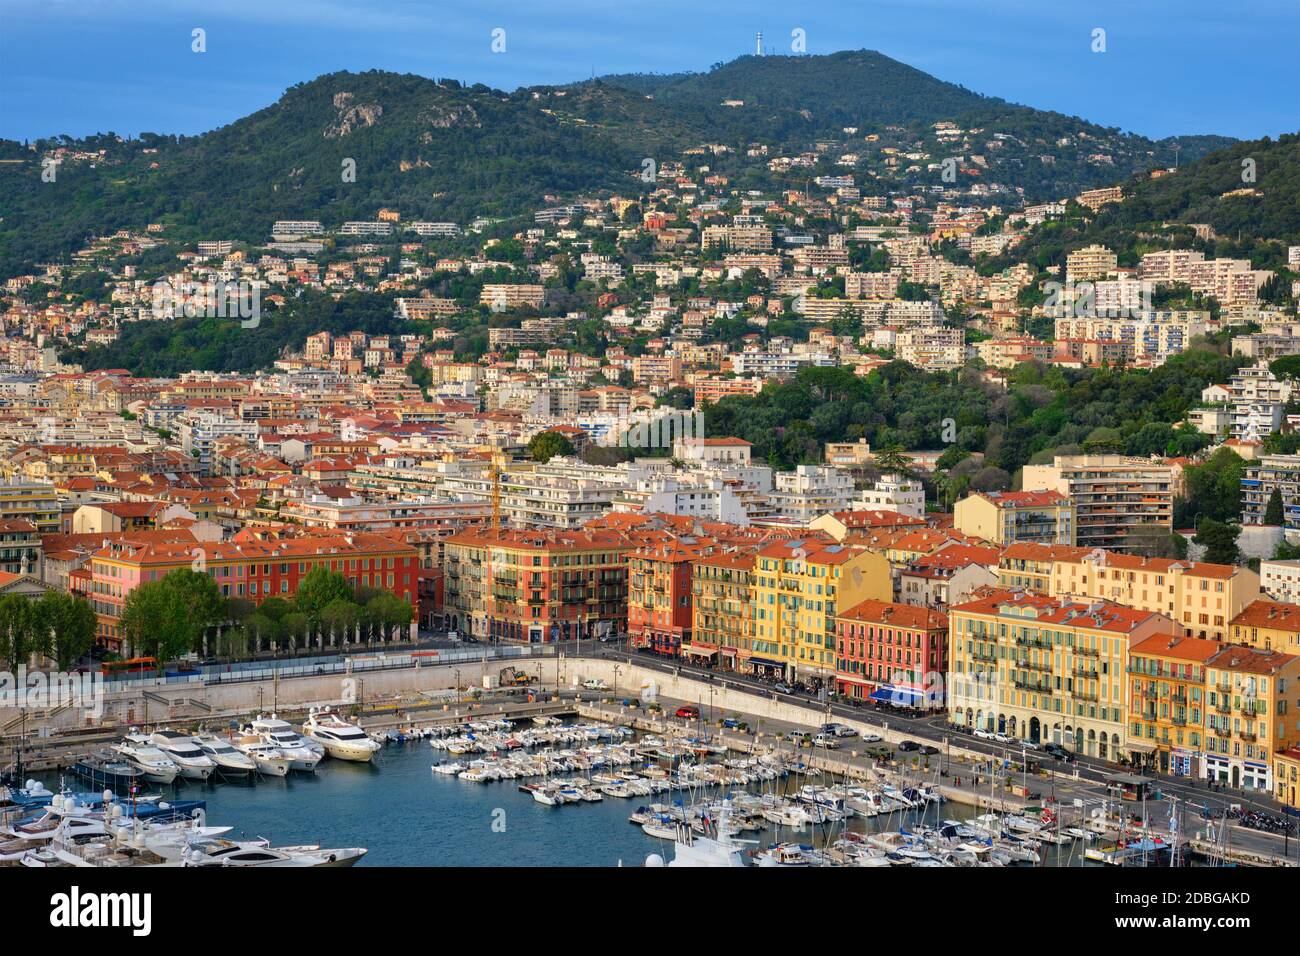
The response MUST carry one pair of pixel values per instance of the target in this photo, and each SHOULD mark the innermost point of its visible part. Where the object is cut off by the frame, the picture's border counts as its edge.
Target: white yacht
(156, 766)
(266, 758)
(230, 762)
(696, 849)
(185, 753)
(341, 740)
(282, 737)
(258, 853)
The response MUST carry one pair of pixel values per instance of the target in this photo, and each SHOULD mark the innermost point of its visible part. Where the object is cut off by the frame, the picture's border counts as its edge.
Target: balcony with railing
(1031, 685)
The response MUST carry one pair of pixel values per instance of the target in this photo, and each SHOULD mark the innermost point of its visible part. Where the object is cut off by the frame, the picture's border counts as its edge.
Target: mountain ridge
(440, 149)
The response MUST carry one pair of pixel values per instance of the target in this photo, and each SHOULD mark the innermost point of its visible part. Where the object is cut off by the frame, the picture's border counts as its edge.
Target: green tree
(295, 626)
(317, 590)
(155, 622)
(22, 633)
(546, 445)
(892, 459)
(388, 611)
(1213, 489)
(340, 617)
(1219, 539)
(70, 621)
(1273, 512)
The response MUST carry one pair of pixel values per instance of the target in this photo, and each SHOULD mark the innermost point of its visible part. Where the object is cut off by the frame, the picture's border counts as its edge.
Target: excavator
(513, 677)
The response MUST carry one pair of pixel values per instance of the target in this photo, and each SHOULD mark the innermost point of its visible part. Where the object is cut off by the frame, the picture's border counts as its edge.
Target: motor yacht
(156, 766)
(193, 762)
(341, 740)
(259, 853)
(266, 758)
(230, 762)
(278, 733)
(104, 768)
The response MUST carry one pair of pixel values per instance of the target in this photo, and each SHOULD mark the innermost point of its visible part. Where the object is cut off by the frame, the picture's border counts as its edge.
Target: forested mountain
(440, 150)
(1247, 193)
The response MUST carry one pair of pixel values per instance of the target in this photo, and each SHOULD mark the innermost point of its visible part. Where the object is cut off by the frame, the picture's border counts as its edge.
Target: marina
(554, 792)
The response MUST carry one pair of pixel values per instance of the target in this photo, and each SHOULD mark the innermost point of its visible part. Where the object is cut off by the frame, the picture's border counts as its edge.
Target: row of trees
(57, 625)
(185, 612)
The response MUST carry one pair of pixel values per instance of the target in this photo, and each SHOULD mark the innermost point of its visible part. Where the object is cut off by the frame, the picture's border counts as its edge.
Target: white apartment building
(199, 433)
(933, 349)
(689, 495)
(1256, 402)
(1089, 263)
(810, 491)
(1148, 337)
(1280, 580)
(892, 493)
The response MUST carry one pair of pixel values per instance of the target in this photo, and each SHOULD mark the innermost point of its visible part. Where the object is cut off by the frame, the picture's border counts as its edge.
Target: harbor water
(405, 815)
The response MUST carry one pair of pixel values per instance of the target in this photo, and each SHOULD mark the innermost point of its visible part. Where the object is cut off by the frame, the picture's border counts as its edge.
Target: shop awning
(1142, 748)
(764, 662)
(701, 651)
(898, 696)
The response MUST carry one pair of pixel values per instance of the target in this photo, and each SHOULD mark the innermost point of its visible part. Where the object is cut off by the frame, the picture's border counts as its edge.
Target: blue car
(731, 723)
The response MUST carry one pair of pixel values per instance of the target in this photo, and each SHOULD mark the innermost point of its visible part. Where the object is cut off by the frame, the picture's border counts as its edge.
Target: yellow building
(1045, 669)
(1202, 598)
(722, 605)
(1167, 703)
(35, 501)
(1009, 517)
(1286, 777)
(797, 587)
(1269, 625)
(1254, 698)
(1030, 566)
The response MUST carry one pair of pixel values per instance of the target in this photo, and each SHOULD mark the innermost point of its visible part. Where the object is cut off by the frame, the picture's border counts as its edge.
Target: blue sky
(1170, 66)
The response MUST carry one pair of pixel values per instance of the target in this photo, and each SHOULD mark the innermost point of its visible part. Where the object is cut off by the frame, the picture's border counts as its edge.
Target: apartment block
(891, 653)
(1261, 477)
(1046, 669)
(1114, 496)
(535, 587)
(722, 605)
(798, 587)
(1202, 598)
(1012, 517)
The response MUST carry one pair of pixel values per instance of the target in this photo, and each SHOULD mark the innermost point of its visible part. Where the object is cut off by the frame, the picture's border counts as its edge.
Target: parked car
(1004, 739)
(594, 683)
(783, 688)
(1059, 752)
(688, 712)
(799, 736)
(928, 750)
(908, 746)
(872, 738)
(826, 740)
(985, 734)
(845, 731)
(1029, 744)
(731, 723)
